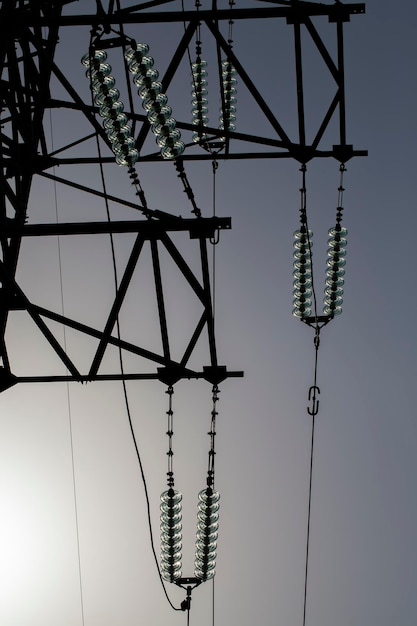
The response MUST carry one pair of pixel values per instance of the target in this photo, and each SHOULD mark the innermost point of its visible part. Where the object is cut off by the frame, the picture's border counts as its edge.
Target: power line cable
(74, 484)
(126, 399)
(313, 413)
(314, 388)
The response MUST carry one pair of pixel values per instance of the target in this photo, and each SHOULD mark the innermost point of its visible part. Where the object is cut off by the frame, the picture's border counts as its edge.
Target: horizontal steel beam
(197, 227)
(108, 377)
(335, 12)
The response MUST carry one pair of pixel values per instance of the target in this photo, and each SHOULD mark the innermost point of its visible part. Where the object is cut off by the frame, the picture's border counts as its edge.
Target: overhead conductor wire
(74, 484)
(127, 404)
(314, 388)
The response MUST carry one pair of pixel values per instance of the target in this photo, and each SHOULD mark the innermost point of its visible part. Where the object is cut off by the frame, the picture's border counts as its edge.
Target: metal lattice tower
(33, 83)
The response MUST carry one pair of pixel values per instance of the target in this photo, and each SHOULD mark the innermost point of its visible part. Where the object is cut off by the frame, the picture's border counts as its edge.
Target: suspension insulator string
(171, 511)
(333, 293)
(207, 513)
(106, 97)
(303, 284)
(228, 112)
(111, 110)
(159, 114)
(208, 510)
(229, 91)
(199, 97)
(199, 91)
(154, 101)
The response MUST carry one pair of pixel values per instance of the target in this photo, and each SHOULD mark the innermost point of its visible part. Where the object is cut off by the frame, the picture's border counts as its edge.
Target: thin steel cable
(125, 394)
(126, 399)
(314, 387)
(313, 422)
(74, 482)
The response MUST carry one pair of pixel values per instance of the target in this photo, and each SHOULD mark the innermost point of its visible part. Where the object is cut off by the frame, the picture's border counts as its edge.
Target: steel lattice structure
(29, 42)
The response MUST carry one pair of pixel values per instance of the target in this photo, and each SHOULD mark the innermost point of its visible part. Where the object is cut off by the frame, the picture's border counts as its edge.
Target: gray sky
(364, 511)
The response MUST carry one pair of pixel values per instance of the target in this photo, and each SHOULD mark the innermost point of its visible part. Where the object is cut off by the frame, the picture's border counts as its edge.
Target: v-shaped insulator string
(199, 93)
(155, 103)
(304, 298)
(115, 122)
(305, 308)
(207, 512)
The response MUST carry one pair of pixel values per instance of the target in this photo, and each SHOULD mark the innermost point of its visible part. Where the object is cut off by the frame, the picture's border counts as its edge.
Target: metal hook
(186, 604)
(215, 240)
(312, 396)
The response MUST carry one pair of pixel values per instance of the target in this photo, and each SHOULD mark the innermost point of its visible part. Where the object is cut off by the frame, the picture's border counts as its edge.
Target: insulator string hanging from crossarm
(228, 87)
(159, 113)
(171, 510)
(206, 538)
(303, 290)
(199, 100)
(111, 110)
(208, 509)
(304, 294)
(333, 294)
(155, 102)
(199, 90)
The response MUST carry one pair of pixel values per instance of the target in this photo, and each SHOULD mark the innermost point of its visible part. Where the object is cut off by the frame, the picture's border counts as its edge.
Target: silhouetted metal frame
(28, 37)
(147, 231)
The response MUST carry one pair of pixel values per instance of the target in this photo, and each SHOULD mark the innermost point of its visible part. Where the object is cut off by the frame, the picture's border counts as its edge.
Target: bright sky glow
(364, 510)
